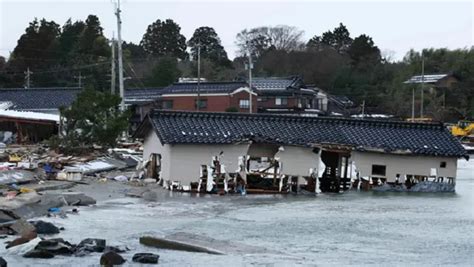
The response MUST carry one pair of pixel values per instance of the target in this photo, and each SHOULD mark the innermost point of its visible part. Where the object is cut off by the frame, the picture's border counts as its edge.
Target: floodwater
(354, 228)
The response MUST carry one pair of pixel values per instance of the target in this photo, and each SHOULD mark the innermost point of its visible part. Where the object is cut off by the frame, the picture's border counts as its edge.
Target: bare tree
(280, 37)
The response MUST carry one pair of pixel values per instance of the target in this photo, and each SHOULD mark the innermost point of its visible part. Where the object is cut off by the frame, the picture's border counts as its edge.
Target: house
(213, 96)
(43, 100)
(281, 153)
(438, 81)
(26, 126)
(141, 101)
(284, 95)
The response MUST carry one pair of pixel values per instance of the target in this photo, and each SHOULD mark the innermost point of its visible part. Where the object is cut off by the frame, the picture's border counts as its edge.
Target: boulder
(115, 249)
(56, 246)
(22, 227)
(111, 258)
(146, 258)
(89, 245)
(45, 228)
(37, 253)
(3, 262)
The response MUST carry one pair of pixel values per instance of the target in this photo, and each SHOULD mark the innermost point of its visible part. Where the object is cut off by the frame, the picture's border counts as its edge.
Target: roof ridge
(40, 88)
(354, 121)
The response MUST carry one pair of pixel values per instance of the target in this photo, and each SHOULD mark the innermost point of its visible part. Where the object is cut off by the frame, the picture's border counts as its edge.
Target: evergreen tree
(163, 38)
(211, 48)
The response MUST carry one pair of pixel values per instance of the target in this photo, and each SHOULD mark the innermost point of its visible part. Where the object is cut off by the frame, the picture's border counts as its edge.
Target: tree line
(78, 52)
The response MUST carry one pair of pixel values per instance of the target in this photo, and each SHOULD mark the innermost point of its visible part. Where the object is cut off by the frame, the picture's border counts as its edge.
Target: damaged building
(231, 152)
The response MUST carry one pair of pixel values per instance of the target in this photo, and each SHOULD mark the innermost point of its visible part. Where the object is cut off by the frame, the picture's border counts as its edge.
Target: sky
(395, 26)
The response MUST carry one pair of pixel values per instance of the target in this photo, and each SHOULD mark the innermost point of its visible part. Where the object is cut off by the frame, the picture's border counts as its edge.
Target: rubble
(3, 262)
(37, 253)
(89, 245)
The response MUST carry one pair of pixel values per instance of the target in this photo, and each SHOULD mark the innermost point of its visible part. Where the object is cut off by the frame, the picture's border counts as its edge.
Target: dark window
(202, 103)
(442, 164)
(244, 103)
(167, 104)
(379, 170)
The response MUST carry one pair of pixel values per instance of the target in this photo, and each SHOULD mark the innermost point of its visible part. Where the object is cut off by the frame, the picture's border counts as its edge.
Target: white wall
(151, 145)
(403, 164)
(187, 159)
(297, 161)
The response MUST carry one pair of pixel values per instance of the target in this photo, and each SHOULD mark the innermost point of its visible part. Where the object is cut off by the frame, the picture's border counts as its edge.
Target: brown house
(213, 96)
(285, 95)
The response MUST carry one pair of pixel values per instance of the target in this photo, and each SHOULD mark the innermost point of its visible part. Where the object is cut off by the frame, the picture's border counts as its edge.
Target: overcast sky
(395, 26)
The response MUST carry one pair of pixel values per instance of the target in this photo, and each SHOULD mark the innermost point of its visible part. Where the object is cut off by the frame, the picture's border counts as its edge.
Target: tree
(363, 50)
(261, 39)
(338, 39)
(163, 38)
(93, 118)
(164, 73)
(210, 43)
(36, 49)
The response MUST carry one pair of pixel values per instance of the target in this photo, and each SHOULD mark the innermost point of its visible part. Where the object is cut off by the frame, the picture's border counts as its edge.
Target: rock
(46, 228)
(145, 258)
(89, 245)
(78, 199)
(3, 262)
(56, 246)
(115, 249)
(111, 258)
(37, 253)
(22, 227)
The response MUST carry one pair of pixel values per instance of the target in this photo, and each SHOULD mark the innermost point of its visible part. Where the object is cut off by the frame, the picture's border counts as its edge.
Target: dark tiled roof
(204, 87)
(38, 98)
(276, 83)
(142, 95)
(178, 127)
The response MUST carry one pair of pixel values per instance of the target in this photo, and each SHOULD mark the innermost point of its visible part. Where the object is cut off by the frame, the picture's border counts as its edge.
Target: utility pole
(250, 66)
(112, 68)
(413, 104)
(28, 77)
(198, 102)
(422, 83)
(79, 80)
(363, 108)
(120, 63)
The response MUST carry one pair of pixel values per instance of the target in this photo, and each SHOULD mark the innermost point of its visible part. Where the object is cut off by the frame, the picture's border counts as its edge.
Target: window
(167, 104)
(244, 103)
(281, 101)
(202, 103)
(379, 170)
(442, 164)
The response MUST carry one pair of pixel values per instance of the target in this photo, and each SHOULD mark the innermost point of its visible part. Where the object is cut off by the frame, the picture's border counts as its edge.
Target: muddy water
(354, 228)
